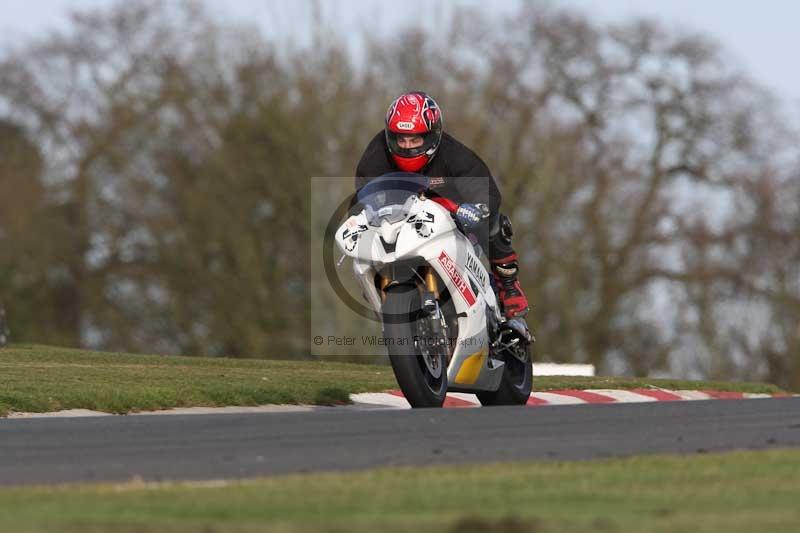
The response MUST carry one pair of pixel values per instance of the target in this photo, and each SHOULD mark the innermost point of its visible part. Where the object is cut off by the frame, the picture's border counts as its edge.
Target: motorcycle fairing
(448, 252)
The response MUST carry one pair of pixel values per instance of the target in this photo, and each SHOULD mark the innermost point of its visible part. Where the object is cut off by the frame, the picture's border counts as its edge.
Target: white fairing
(429, 232)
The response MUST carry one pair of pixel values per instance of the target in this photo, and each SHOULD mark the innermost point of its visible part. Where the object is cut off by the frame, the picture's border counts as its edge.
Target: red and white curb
(396, 400)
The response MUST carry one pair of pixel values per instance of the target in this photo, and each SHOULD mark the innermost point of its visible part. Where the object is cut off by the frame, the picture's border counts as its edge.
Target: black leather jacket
(456, 172)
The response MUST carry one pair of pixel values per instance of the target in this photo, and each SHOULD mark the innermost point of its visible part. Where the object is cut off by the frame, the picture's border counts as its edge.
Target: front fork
(430, 299)
(424, 273)
(429, 294)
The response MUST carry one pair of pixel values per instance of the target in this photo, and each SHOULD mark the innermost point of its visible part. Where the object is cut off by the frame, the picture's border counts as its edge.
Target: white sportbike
(423, 277)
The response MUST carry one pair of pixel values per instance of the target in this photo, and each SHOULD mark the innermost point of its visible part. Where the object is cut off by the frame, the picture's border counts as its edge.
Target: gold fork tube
(431, 284)
(383, 282)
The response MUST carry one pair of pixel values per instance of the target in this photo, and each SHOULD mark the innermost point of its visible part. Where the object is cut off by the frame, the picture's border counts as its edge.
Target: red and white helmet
(413, 113)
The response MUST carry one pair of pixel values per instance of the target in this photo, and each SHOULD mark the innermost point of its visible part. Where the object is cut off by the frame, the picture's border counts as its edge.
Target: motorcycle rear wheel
(415, 367)
(516, 384)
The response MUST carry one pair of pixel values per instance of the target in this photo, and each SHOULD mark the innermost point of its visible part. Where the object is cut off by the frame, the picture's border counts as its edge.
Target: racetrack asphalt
(202, 447)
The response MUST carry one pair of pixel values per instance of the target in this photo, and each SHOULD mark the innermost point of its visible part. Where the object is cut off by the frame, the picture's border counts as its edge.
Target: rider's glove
(470, 216)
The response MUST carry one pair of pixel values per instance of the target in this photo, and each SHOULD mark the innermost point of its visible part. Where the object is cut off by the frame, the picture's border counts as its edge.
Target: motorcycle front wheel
(418, 354)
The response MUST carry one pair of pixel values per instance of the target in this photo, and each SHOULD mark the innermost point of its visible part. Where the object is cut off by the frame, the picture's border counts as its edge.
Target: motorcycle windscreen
(384, 197)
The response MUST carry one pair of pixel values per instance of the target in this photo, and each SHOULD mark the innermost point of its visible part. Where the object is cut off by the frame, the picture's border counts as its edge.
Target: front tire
(421, 371)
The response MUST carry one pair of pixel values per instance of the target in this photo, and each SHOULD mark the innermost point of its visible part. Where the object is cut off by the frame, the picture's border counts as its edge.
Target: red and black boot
(513, 301)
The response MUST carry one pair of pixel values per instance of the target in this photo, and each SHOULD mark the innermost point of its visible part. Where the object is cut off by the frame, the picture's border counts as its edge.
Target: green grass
(734, 492)
(603, 382)
(43, 378)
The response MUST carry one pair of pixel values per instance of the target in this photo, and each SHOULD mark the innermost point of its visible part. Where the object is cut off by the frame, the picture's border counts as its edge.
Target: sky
(762, 36)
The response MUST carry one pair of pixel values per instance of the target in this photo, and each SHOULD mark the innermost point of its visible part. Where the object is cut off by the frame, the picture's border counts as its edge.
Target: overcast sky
(763, 34)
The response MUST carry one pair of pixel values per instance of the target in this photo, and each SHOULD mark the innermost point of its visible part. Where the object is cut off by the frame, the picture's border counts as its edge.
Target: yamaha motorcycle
(423, 277)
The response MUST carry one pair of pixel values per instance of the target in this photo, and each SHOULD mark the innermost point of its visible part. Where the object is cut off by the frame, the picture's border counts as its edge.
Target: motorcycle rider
(413, 141)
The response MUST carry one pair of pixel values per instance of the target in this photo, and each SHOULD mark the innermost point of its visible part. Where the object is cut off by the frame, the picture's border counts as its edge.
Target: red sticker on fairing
(461, 284)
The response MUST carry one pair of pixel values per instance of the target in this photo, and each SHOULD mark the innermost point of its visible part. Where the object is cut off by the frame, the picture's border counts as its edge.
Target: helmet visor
(429, 140)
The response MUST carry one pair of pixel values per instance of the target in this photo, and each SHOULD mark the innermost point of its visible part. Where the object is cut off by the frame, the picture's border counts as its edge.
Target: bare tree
(652, 186)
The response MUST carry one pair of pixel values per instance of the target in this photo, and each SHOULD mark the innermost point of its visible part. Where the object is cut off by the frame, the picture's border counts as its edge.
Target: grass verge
(733, 492)
(544, 383)
(43, 379)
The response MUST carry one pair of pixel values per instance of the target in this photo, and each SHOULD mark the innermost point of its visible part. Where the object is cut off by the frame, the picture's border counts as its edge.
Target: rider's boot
(513, 301)
(503, 259)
